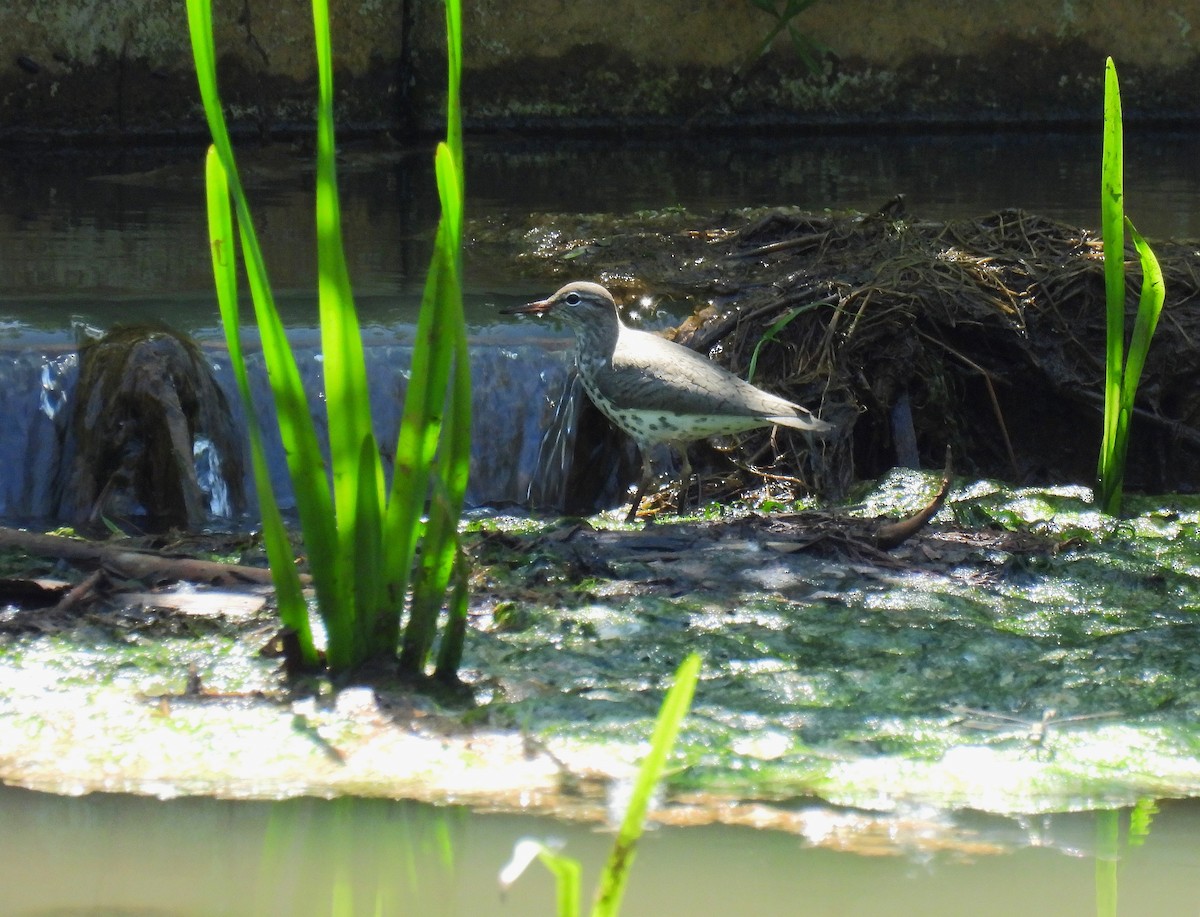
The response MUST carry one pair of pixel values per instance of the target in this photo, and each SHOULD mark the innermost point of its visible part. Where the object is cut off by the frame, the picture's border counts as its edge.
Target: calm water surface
(118, 855)
(124, 238)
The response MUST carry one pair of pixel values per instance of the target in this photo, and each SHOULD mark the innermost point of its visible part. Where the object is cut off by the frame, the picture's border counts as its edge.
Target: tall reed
(611, 888)
(1122, 375)
(360, 534)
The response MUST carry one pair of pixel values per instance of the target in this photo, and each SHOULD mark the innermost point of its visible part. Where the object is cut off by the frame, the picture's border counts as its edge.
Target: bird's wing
(648, 371)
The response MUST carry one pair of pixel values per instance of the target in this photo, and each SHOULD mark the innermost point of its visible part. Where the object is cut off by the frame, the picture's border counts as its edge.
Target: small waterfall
(537, 442)
(211, 479)
(35, 386)
(581, 465)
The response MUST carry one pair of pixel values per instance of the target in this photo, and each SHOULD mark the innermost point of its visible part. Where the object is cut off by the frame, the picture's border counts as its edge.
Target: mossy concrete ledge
(106, 71)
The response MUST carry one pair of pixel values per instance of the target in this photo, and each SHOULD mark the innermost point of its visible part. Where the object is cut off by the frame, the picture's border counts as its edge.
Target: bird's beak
(541, 307)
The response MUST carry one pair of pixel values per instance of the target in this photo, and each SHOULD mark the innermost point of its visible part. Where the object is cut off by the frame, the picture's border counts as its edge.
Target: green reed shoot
(611, 887)
(1121, 375)
(1109, 847)
(1108, 833)
(360, 536)
(773, 332)
(293, 610)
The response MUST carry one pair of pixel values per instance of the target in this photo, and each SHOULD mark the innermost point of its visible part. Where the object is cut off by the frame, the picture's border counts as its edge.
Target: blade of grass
(1108, 828)
(1150, 305)
(458, 452)
(454, 140)
(440, 548)
(454, 633)
(306, 464)
(293, 611)
(1112, 225)
(440, 349)
(367, 557)
(565, 869)
(1122, 373)
(420, 429)
(674, 708)
(771, 333)
(1149, 308)
(357, 477)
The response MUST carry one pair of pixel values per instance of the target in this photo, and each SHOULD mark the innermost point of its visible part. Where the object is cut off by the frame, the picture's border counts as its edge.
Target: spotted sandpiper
(655, 390)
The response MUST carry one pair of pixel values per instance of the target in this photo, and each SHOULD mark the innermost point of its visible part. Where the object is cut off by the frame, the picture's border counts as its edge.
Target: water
(87, 241)
(101, 238)
(79, 251)
(116, 855)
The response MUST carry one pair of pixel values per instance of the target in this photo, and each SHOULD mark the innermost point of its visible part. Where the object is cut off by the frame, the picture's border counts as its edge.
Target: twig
(79, 592)
(131, 563)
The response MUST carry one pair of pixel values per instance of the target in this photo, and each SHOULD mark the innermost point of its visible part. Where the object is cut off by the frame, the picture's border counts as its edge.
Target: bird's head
(580, 305)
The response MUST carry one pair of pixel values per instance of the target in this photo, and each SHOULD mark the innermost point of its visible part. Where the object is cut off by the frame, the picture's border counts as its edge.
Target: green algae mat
(1024, 653)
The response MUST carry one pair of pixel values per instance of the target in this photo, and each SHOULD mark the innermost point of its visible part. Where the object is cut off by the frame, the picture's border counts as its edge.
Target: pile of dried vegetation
(985, 335)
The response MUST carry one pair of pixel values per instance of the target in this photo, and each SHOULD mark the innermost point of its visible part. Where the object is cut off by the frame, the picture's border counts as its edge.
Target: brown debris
(991, 330)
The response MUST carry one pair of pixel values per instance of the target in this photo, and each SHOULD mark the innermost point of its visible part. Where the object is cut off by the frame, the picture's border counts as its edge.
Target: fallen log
(134, 563)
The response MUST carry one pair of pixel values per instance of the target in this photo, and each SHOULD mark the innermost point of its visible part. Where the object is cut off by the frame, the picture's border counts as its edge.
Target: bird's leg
(685, 479)
(647, 475)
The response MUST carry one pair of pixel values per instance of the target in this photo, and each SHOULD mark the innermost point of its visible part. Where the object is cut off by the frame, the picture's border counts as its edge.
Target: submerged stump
(146, 410)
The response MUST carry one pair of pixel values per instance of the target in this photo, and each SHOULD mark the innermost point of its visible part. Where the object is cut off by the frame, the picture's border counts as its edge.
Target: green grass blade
(1150, 304)
(306, 464)
(455, 631)
(424, 402)
(458, 458)
(420, 429)
(454, 139)
(1122, 374)
(367, 558)
(440, 548)
(347, 399)
(1108, 843)
(566, 871)
(440, 350)
(674, 708)
(293, 611)
(1149, 308)
(771, 333)
(1112, 223)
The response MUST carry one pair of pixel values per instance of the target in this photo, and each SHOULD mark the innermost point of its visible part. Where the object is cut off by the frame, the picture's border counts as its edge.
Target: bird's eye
(572, 299)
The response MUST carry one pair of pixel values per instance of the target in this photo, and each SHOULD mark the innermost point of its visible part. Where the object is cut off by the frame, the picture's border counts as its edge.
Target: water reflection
(122, 855)
(77, 226)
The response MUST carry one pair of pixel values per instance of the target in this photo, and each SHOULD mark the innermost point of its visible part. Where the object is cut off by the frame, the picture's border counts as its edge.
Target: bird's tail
(803, 420)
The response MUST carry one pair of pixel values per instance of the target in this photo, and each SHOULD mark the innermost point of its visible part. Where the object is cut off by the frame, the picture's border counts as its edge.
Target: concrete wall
(115, 70)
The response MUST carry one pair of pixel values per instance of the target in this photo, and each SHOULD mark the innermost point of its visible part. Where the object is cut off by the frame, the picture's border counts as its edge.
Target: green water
(131, 857)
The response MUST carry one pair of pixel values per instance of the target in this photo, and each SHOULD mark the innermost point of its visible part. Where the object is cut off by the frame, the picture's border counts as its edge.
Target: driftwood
(134, 563)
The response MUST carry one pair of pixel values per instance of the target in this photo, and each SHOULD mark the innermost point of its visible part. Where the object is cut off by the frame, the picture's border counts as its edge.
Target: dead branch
(134, 563)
